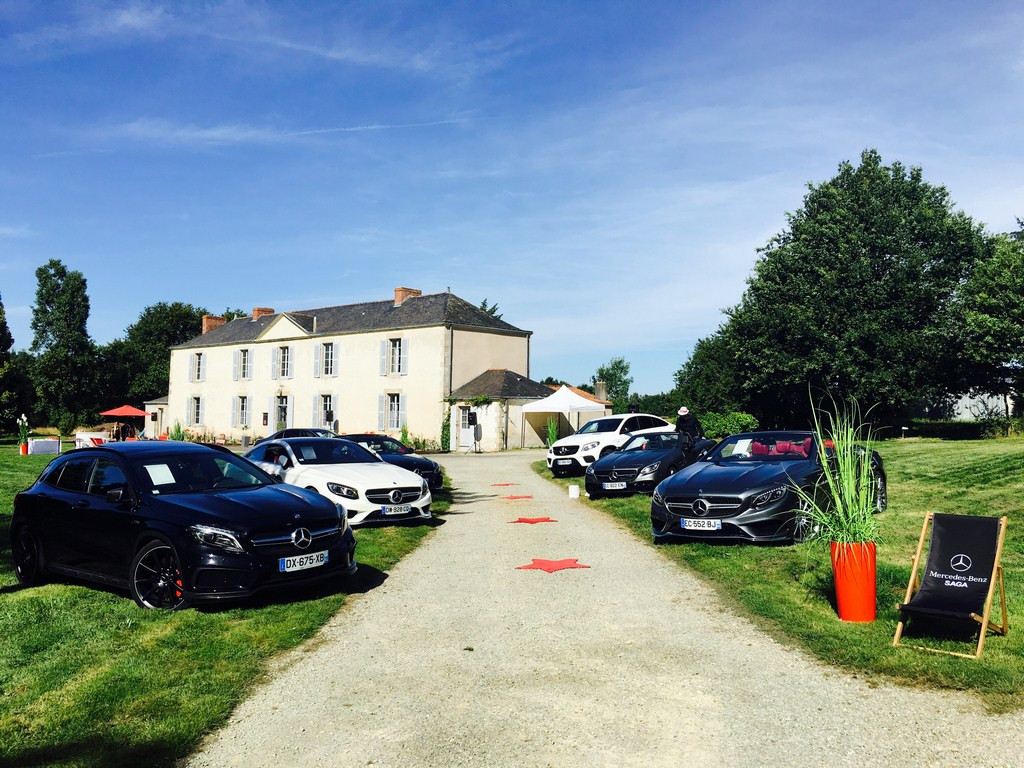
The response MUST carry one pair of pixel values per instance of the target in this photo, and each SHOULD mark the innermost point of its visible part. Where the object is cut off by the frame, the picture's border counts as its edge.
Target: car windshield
(652, 442)
(385, 446)
(600, 425)
(196, 473)
(766, 446)
(320, 451)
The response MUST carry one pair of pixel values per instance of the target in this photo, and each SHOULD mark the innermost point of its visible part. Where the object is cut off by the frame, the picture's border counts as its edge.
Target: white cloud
(15, 232)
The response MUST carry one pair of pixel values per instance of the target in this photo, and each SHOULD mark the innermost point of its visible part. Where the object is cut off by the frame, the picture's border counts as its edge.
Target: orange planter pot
(853, 568)
(23, 449)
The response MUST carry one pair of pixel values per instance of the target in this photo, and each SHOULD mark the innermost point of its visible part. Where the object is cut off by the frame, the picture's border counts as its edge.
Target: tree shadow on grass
(101, 751)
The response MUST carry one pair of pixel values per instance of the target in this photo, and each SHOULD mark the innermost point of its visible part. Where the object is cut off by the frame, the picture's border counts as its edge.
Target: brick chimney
(212, 321)
(258, 312)
(401, 294)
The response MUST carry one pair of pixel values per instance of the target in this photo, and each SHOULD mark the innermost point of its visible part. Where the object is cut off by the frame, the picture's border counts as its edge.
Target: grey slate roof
(418, 312)
(501, 384)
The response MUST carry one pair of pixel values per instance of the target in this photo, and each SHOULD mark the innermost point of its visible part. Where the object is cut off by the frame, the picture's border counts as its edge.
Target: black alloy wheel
(881, 493)
(28, 558)
(155, 578)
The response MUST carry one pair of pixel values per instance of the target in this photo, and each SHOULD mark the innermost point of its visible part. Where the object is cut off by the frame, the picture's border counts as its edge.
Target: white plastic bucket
(574, 491)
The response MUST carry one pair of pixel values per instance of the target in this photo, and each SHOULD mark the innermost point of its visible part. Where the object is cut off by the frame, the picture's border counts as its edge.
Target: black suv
(175, 523)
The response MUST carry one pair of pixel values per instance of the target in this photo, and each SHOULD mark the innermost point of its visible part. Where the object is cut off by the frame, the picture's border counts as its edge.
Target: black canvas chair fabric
(960, 575)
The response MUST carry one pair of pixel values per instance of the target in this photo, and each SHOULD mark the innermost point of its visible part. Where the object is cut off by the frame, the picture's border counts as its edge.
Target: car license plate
(397, 509)
(563, 462)
(702, 525)
(613, 486)
(301, 562)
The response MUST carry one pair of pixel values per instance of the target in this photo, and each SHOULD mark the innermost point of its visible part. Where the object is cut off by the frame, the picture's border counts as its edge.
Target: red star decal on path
(533, 520)
(513, 498)
(550, 566)
(502, 485)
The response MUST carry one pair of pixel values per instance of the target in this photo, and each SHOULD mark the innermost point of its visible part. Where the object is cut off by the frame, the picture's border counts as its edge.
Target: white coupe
(369, 488)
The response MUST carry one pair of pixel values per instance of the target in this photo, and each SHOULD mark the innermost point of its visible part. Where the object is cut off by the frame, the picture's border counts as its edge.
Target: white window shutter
(291, 362)
(202, 408)
(290, 420)
(337, 360)
(204, 363)
(234, 365)
(318, 415)
(234, 410)
(192, 367)
(383, 357)
(188, 412)
(403, 364)
(317, 350)
(382, 412)
(274, 362)
(252, 362)
(402, 422)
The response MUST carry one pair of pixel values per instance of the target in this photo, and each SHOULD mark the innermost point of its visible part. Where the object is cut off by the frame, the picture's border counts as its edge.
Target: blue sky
(604, 171)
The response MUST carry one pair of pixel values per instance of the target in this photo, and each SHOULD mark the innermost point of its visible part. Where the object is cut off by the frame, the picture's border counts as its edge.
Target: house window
(285, 362)
(197, 367)
(394, 411)
(244, 364)
(395, 356)
(282, 410)
(464, 417)
(196, 411)
(328, 359)
(326, 409)
(243, 411)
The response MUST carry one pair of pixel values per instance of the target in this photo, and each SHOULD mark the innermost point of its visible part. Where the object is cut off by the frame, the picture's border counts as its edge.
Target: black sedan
(643, 462)
(743, 490)
(398, 453)
(175, 523)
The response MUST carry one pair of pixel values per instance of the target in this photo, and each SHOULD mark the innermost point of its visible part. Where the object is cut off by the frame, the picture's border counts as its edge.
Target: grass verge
(788, 590)
(89, 679)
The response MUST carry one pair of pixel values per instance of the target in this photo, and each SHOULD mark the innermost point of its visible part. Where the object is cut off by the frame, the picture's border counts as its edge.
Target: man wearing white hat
(688, 424)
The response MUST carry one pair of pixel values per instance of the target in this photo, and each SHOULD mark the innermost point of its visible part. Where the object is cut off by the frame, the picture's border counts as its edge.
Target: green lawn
(89, 679)
(788, 590)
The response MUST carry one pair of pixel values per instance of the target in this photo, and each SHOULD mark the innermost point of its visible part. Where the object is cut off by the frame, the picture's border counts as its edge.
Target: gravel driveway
(461, 659)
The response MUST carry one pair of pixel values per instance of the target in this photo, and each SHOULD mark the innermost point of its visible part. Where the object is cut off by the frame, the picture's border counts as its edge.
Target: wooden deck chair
(959, 577)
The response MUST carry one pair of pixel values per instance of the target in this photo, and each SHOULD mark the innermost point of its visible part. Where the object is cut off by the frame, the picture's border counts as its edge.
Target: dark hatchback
(643, 462)
(744, 490)
(398, 453)
(175, 523)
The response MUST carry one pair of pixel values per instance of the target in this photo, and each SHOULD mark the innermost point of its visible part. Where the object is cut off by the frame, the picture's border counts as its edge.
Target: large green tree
(709, 380)
(993, 320)
(8, 398)
(64, 371)
(857, 296)
(143, 358)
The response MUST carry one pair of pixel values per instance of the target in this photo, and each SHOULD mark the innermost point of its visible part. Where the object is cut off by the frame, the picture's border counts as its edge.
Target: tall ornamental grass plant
(841, 509)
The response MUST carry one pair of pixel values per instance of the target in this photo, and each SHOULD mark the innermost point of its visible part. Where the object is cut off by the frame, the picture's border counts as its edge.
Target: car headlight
(423, 487)
(769, 496)
(657, 498)
(216, 537)
(590, 446)
(342, 516)
(344, 491)
(650, 469)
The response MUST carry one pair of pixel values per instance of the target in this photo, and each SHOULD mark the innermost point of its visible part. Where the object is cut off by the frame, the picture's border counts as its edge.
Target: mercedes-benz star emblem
(701, 507)
(395, 495)
(960, 563)
(301, 538)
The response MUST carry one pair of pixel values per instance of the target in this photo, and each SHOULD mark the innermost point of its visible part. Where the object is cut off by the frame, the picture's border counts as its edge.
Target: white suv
(597, 438)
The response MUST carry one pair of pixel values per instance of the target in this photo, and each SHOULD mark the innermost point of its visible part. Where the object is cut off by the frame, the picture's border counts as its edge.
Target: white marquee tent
(564, 400)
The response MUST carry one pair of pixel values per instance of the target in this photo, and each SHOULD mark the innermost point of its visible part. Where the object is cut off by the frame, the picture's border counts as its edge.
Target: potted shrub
(841, 510)
(23, 435)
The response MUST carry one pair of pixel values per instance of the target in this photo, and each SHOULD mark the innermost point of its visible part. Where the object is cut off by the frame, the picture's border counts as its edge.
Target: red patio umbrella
(124, 410)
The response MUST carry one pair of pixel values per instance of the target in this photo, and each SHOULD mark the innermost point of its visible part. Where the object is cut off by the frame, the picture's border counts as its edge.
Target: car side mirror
(120, 495)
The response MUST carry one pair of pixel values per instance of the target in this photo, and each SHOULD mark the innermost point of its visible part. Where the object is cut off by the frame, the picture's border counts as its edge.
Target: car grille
(613, 475)
(383, 495)
(717, 506)
(565, 450)
(282, 539)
